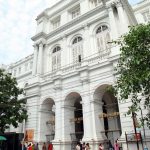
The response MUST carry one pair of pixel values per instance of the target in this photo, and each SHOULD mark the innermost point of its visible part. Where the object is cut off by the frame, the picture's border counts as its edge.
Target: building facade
(66, 78)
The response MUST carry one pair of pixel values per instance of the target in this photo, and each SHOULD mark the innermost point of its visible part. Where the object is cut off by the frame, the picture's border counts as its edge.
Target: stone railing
(92, 60)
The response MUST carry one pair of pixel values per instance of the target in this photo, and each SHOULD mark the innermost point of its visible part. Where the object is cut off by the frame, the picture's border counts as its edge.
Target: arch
(46, 97)
(108, 111)
(73, 96)
(77, 40)
(74, 36)
(74, 116)
(100, 90)
(51, 48)
(47, 119)
(56, 49)
(100, 24)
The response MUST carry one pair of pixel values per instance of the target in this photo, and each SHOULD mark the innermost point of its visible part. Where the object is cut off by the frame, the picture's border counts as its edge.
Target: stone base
(62, 145)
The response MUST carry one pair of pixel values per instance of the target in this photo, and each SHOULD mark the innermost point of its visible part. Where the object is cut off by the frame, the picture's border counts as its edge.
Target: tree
(133, 69)
(12, 109)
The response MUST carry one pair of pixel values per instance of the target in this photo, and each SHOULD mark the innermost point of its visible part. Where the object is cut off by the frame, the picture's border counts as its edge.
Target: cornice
(21, 61)
(77, 20)
(24, 75)
(141, 5)
(62, 8)
(72, 23)
(43, 14)
(38, 36)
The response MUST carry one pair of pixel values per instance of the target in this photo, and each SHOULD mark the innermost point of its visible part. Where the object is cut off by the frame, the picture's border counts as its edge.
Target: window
(146, 16)
(75, 13)
(15, 72)
(77, 49)
(56, 23)
(26, 66)
(56, 58)
(19, 70)
(95, 3)
(31, 64)
(102, 38)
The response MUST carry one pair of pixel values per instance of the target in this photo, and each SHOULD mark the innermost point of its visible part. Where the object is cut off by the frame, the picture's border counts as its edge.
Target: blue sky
(18, 25)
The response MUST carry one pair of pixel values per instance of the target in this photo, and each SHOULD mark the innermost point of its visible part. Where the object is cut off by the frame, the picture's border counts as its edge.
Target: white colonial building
(65, 80)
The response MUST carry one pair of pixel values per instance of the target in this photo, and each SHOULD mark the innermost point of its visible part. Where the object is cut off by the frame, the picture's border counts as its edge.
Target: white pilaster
(40, 58)
(98, 124)
(86, 42)
(58, 120)
(87, 114)
(113, 24)
(122, 17)
(64, 52)
(34, 71)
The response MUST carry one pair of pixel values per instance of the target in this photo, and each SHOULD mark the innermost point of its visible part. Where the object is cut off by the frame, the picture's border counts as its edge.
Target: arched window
(56, 58)
(102, 38)
(77, 49)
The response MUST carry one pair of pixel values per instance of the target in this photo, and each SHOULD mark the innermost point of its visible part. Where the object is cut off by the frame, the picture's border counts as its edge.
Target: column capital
(118, 4)
(35, 46)
(96, 101)
(109, 7)
(42, 42)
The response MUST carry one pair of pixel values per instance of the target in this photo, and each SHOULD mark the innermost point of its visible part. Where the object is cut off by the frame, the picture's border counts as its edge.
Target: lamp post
(134, 124)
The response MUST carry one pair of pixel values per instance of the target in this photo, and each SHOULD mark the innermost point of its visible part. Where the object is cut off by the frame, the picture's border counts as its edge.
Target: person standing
(100, 147)
(116, 145)
(44, 146)
(78, 146)
(83, 146)
(87, 147)
(50, 146)
(37, 146)
(110, 146)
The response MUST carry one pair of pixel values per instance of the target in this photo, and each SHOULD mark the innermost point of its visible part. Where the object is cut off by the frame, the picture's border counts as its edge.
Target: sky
(18, 25)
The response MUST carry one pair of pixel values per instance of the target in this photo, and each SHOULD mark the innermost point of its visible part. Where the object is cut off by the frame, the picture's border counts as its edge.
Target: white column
(87, 114)
(40, 58)
(34, 71)
(122, 18)
(98, 123)
(113, 24)
(58, 121)
(68, 127)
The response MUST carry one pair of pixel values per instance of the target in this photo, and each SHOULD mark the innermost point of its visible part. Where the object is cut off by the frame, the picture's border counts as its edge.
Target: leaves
(12, 109)
(134, 68)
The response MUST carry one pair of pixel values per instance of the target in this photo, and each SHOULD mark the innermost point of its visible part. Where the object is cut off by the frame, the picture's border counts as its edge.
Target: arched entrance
(109, 113)
(73, 109)
(47, 123)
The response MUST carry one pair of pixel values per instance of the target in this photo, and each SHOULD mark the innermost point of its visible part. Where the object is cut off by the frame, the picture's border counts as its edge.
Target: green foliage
(133, 68)
(12, 109)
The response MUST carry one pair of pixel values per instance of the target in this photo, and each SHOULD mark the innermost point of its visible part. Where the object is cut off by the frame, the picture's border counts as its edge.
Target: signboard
(134, 137)
(109, 115)
(29, 135)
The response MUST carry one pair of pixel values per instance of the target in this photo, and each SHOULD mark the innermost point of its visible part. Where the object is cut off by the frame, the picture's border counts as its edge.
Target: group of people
(49, 146)
(32, 146)
(86, 146)
(110, 147)
(83, 146)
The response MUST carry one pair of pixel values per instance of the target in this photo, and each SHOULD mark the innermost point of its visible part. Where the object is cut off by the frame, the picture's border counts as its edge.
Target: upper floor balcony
(92, 62)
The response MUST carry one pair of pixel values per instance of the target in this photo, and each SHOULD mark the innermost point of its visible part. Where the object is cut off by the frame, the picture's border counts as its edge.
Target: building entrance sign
(29, 135)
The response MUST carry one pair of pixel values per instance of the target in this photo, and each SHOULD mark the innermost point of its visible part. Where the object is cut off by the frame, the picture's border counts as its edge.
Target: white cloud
(18, 25)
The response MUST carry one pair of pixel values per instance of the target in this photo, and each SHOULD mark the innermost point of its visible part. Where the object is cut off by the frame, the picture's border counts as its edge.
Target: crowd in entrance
(86, 146)
(33, 146)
